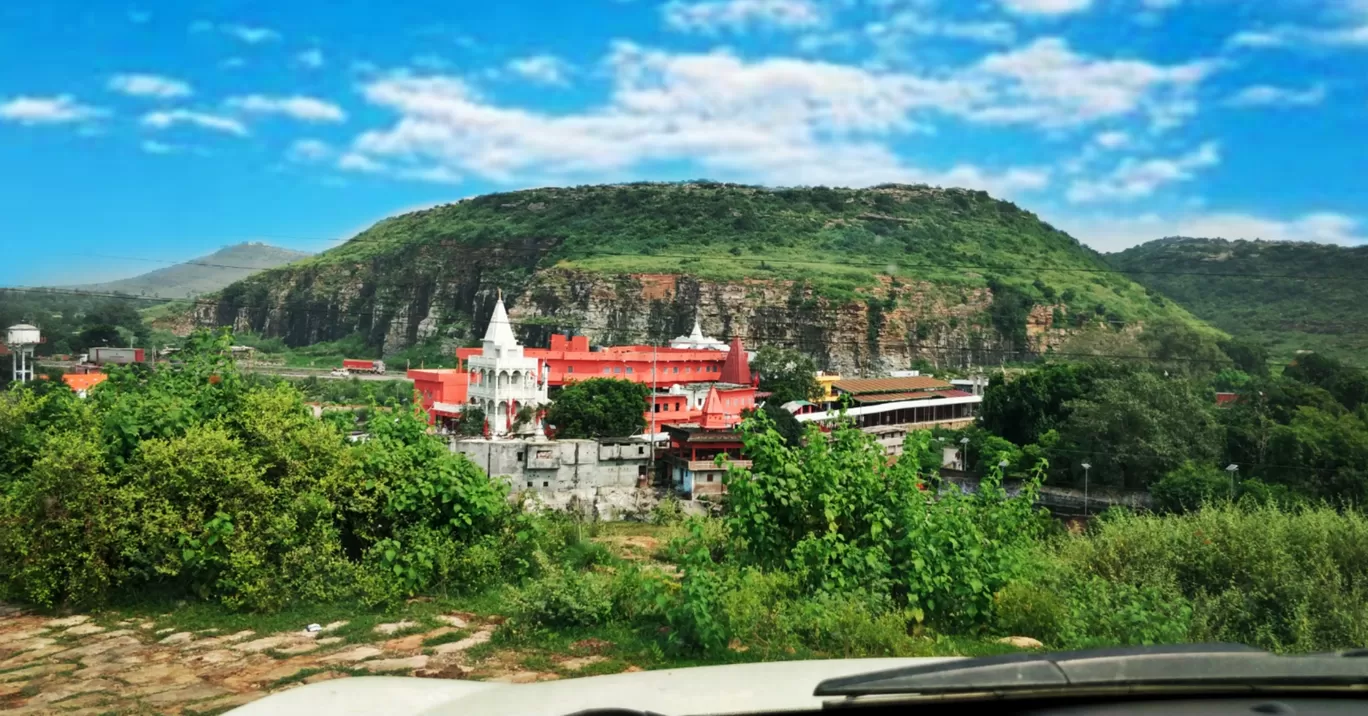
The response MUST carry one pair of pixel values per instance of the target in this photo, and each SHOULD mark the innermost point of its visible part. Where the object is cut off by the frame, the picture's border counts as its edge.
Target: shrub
(1189, 487)
(563, 597)
(1283, 579)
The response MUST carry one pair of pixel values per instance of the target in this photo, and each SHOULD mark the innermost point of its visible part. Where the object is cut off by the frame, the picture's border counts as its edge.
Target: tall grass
(1286, 580)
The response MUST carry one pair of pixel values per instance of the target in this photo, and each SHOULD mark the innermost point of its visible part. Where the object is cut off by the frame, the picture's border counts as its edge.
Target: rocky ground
(79, 665)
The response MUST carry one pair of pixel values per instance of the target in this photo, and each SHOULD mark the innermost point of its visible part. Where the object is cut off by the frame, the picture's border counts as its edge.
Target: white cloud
(152, 146)
(1135, 179)
(309, 150)
(251, 35)
(1114, 233)
(1045, 7)
(1048, 84)
(779, 121)
(1269, 95)
(218, 123)
(354, 162)
(1299, 36)
(312, 58)
(543, 69)
(817, 41)
(147, 85)
(307, 109)
(775, 120)
(892, 33)
(1112, 140)
(713, 16)
(61, 109)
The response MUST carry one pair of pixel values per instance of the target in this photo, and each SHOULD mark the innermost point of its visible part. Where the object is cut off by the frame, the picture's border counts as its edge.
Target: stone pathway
(72, 665)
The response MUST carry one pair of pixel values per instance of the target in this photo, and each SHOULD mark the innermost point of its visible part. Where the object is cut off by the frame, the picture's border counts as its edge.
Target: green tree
(1036, 402)
(599, 408)
(1183, 349)
(1136, 428)
(785, 424)
(841, 519)
(786, 374)
(472, 422)
(1247, 355)
(1347, 383)
(1191, 486)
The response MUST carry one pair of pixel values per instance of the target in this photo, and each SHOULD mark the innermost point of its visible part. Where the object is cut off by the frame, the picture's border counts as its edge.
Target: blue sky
(137, 132)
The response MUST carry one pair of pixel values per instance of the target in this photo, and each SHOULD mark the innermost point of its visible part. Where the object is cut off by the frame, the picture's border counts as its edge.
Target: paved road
(280, 370)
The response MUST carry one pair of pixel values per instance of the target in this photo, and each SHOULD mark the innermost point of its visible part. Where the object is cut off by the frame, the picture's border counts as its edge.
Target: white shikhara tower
(502, 379)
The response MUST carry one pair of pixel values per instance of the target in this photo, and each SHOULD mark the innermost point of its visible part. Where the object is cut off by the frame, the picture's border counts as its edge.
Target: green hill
(896, 270)
(1239, 286)
(205, 274)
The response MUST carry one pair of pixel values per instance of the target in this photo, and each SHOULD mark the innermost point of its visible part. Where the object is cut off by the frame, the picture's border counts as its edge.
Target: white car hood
(731, 689)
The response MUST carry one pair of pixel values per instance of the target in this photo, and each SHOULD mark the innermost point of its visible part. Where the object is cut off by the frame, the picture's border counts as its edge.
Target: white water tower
(21, 340)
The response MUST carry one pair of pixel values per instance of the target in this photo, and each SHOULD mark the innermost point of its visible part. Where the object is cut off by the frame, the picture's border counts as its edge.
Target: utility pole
(650, 470)
(1086, 468)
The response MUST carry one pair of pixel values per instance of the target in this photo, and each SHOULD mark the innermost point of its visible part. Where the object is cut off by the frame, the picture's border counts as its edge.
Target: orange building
(679, 375)
(81, 383)
(691, 458)
(441, 391)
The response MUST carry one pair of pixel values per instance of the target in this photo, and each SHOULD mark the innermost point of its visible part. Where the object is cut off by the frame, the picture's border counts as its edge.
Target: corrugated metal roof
(862, 386)
(914, 395)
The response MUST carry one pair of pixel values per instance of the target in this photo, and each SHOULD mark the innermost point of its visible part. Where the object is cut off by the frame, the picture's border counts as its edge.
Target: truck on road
(119, 356)
(363, 366)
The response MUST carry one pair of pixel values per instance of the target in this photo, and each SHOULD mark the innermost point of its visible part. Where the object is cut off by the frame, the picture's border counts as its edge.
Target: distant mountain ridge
(205, 274)
(1252, 295)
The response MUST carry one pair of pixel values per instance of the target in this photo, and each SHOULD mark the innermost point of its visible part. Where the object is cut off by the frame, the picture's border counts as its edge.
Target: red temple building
(681, 377)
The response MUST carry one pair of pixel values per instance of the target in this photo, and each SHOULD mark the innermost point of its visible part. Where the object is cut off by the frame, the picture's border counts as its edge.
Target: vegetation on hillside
(72, 323)
(845, 245)
(1296, 436)
(1239, 287)
(188, 482)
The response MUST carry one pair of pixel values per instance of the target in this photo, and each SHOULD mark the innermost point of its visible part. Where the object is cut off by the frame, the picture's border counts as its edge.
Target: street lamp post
(1233, 469)
(1086, 468)
(964, 454)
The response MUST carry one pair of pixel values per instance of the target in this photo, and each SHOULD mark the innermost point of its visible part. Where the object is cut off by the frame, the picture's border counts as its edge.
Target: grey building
(608, 476)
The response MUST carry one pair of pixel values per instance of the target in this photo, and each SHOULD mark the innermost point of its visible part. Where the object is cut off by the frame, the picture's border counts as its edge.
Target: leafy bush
(189, 480)
(1291, 580)
(1191, 486)
(841, 519)
(563, 597)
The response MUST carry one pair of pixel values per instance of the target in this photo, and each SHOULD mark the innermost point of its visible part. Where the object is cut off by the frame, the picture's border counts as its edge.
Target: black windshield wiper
(1173, 666)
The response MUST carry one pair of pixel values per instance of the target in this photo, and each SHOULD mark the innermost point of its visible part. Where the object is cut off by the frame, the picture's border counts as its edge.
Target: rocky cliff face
(887, 328)
(864, 280)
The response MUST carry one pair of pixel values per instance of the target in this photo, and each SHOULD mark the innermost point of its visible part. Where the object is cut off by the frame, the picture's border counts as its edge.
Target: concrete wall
(597, 476)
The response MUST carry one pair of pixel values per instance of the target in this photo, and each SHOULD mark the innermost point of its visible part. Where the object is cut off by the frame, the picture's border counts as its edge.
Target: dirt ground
(74, 665)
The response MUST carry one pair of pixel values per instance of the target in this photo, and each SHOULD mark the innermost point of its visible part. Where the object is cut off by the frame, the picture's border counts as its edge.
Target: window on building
(641, 450)
(520, 456)
(529, 483)
(629, 369)
(546, 483)
(710, 478)
(606, 370)
(569, 369)
(676, 369)
(617, 369)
